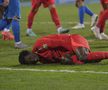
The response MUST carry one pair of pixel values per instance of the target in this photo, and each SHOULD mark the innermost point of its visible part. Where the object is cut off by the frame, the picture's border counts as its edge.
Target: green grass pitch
(38, 80)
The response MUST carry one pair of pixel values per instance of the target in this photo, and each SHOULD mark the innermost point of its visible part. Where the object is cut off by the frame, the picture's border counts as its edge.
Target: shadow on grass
(39, 65)
(104, 46)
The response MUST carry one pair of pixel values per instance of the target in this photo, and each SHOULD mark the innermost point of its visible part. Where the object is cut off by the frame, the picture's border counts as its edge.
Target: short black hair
(22, 56)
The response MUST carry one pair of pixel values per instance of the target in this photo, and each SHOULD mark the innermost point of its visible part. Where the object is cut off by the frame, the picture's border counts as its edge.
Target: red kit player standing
(50, 4)
(98, 30)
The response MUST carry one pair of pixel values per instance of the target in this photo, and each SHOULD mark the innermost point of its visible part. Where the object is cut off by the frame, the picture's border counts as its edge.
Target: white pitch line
(60, 71)
(49, 22)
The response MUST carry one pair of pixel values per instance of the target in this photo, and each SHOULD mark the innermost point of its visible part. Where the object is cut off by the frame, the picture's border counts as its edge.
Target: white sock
(18, 42)
(6, 30)
(58, 29)
(28, 30)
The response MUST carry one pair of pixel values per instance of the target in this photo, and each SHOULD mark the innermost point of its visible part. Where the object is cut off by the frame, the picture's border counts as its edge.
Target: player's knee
(8, 21)
(51, 6)
(34, 10)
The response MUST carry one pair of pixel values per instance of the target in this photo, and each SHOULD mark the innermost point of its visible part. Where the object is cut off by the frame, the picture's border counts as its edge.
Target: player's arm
(51, 43)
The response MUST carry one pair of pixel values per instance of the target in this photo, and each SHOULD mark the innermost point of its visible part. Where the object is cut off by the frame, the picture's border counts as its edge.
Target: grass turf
(29, 80)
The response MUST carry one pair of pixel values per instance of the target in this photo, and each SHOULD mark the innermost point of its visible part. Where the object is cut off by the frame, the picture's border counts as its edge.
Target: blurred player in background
(61, 48)
(6, 34)
(12, 16)
(50, 4)
(6, 30)
(82, 9)
(98, 30)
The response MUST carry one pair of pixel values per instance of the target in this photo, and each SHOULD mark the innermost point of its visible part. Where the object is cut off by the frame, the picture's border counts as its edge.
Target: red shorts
(79, 0)
(45, 3)
(104, 1)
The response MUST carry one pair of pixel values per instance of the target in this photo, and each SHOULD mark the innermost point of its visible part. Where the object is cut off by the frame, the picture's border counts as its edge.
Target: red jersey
(58, 46)
(104, 1)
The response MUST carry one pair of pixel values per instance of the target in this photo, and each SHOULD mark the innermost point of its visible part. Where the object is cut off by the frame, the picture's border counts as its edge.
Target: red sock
(55, 17)
(102, 19)
(97, 56)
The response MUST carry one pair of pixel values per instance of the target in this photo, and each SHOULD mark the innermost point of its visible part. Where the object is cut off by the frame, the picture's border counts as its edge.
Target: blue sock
(8, 26)
(3, 24)
(81, 12)
(16, 30)
(88, 11)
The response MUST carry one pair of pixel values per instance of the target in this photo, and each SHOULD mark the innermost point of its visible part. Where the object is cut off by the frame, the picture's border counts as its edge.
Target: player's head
(26, 57)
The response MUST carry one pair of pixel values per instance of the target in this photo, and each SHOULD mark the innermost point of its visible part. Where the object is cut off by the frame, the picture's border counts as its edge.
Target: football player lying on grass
(63, 48)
